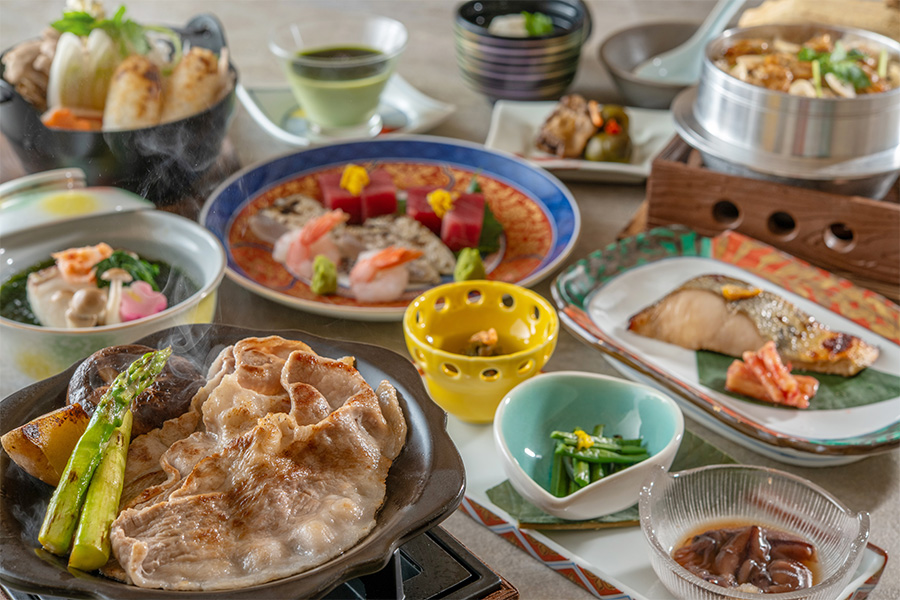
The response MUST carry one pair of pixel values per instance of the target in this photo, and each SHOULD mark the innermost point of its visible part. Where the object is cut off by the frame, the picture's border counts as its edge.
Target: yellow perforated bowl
(438, 324)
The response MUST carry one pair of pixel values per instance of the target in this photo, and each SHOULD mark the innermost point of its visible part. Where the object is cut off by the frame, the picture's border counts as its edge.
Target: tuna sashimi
(380, 196)
(418, 208)
(335, 197)
(461, 226)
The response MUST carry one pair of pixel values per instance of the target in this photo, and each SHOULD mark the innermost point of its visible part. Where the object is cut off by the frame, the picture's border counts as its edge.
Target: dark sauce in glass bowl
(771, 560)
(14, 304)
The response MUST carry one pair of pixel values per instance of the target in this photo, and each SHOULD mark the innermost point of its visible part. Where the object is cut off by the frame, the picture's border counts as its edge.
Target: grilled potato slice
(42, 446)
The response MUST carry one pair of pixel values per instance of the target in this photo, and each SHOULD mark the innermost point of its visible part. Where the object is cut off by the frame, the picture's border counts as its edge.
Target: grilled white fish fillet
(730, 316)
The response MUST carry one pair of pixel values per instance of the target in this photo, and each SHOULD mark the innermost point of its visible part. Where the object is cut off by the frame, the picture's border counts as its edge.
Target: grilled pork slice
(730, 316)
(286, 470)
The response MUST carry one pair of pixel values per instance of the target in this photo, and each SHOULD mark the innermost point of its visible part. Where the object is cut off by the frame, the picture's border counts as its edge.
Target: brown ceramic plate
(425, 483)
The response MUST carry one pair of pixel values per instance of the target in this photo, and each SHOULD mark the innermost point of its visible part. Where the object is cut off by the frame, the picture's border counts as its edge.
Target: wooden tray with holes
(855, 237)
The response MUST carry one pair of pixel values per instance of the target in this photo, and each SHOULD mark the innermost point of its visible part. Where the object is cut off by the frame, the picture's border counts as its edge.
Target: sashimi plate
(539, 216)
(598, 294)
(515, 126)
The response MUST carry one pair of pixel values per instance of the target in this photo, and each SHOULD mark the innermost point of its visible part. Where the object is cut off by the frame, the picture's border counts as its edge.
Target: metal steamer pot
(841, 145)
(160, 163)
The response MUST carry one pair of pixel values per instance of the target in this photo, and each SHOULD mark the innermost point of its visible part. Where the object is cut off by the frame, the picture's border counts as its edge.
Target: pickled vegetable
(614, 112)
(609, 148)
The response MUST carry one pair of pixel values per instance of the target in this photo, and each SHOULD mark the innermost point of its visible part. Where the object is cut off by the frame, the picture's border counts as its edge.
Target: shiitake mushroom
(168, 397)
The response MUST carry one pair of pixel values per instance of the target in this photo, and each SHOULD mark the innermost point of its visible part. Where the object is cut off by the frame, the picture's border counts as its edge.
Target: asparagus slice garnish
(66, 502)
(90, 550)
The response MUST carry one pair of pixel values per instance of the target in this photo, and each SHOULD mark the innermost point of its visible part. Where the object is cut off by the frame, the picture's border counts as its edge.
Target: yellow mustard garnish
(736, 292)
(441, 201)
(354, 179)
(584, 440)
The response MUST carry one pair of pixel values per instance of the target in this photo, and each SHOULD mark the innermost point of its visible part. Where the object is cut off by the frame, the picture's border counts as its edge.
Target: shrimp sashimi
(381, 275)
(298, 248)
(76, 265)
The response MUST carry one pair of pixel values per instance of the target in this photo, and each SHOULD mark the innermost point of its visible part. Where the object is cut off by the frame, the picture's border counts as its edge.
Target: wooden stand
(857, 238)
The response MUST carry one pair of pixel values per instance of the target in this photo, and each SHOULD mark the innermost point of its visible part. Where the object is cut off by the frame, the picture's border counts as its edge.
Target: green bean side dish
(580, 459)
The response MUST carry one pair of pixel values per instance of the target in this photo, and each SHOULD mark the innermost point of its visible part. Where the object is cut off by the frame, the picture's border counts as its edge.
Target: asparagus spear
(65, 504)
(90, 550)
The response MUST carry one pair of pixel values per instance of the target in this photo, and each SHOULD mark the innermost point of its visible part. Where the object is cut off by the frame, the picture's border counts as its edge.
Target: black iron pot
(160, 163)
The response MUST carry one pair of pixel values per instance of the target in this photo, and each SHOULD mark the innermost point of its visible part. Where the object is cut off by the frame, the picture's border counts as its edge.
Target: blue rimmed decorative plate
(540, 218)
(598, 294)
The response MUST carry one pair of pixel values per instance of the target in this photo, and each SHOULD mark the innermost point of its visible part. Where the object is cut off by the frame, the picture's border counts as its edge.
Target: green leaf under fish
(835, 392)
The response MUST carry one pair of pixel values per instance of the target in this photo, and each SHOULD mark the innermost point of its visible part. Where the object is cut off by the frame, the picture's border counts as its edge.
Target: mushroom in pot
(86, 308)
(116, 278)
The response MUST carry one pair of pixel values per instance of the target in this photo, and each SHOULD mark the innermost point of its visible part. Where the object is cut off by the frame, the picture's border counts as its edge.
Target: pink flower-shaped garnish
(139, 300)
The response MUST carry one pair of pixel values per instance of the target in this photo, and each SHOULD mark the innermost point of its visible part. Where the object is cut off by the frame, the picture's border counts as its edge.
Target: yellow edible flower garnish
(441, 201)
(736, 292)
(584, 440)
(354, 179)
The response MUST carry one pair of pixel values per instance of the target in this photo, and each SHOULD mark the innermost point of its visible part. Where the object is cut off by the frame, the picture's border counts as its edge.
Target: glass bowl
(338, 67)
(675, 506)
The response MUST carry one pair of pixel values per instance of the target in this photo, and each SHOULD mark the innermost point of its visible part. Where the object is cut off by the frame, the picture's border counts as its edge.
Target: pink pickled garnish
(139, 300)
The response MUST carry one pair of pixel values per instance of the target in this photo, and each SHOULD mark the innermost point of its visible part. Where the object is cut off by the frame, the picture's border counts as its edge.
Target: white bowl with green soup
(70, 288)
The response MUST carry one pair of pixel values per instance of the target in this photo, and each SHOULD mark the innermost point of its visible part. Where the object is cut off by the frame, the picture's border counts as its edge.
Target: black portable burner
(431, 566)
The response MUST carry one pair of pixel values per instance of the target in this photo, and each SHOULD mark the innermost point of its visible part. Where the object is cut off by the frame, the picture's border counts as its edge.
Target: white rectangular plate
(515, 126)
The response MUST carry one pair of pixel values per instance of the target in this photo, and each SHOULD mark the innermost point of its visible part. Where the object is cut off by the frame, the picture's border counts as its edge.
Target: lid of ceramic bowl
(59, 195)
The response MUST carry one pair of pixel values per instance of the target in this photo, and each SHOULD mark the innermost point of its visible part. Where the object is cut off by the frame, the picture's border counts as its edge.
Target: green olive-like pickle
(615, 112)
(609, 148)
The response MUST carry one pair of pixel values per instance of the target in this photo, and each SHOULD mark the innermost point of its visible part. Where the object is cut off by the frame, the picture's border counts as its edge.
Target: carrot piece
(64, 118)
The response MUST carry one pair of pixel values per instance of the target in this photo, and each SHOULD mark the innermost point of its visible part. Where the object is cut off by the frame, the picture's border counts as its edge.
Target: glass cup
(338, 68)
